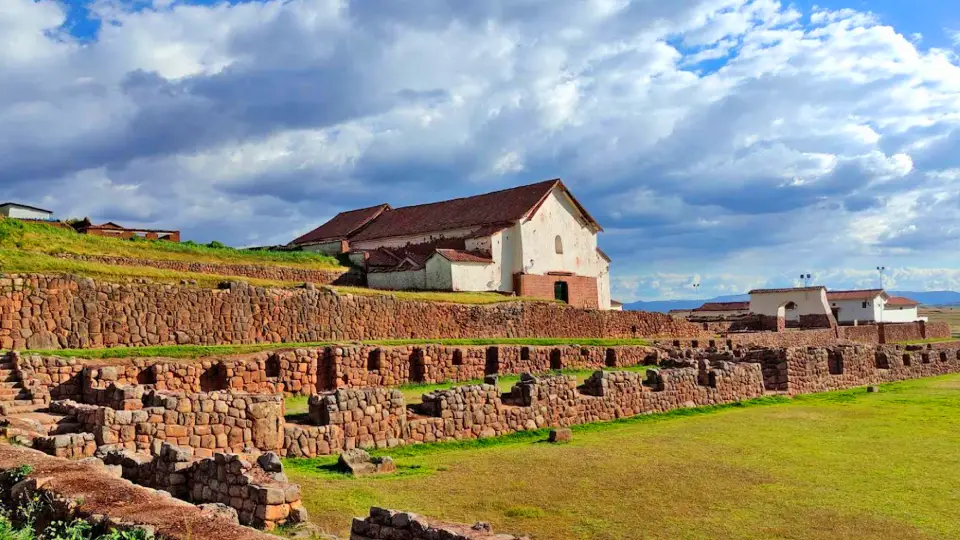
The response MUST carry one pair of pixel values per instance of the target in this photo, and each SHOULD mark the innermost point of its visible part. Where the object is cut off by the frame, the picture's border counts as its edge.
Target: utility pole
(881, 270)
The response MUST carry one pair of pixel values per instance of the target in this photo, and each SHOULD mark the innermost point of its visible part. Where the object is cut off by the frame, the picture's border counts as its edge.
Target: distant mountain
(929, 298)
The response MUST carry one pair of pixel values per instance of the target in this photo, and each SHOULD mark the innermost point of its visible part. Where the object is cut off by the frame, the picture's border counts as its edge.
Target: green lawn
(199, 351)
(840, 465)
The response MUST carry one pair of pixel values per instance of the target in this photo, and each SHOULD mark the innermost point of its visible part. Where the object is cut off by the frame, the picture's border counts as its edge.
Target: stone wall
(385, 524)
(378, 417)
(112, 503)
(342, 276)
(43, 312)
(233, 480)
(205, 422)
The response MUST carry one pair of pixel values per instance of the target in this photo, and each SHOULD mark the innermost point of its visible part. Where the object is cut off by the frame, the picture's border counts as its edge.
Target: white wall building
(22, 211)
(534, 240)
(789, 303)
(847, 307)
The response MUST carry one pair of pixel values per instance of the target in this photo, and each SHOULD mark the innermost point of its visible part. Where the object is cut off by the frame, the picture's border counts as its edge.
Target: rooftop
(724, 306)
(789, 289)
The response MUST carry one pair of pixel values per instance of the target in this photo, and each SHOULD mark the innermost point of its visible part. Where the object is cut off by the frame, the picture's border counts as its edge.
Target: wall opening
(556, 359)
(943, 356)
(907, 360)
(694, 344)
(214, 378)
(882, 361)
(611, 360)
(492, 363)
(272, 367)
(835, 362)
(147, 375)
(712, 380)
(525, 353)
(457, 357)
(417, 368)
(374, 360)
(561, 292)
(925, 357)
(584, 351)
(558, 245)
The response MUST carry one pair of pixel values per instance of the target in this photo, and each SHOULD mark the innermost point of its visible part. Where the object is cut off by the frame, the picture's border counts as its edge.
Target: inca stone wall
(385, 524)
(277, 273)
(43, 312)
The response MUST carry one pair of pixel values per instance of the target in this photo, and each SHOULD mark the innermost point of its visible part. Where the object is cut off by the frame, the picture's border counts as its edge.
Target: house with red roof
(533, 240)
(861, 306)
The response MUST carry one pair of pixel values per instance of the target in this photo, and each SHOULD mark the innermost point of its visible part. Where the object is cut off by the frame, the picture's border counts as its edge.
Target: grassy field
(948, 315)
(840, 465)
(413, 393)
(200, 351)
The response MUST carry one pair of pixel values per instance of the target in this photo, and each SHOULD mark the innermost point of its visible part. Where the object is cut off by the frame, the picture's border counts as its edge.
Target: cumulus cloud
(742, 141)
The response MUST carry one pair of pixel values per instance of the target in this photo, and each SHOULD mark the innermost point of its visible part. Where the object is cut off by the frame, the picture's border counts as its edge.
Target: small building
(871, 306)
(535, 240)
(113, 230)
(616, 305)
(793, 305)
(23, 211)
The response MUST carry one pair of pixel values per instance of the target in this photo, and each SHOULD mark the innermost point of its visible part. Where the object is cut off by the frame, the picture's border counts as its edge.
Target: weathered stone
(561, 435)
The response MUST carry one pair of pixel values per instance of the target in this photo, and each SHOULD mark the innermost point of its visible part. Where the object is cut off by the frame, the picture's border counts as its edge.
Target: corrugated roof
(724, 306)
(788, 289)
(342, 225)
(901, 301)
(855, 294)
(495, 208)
(460, 255)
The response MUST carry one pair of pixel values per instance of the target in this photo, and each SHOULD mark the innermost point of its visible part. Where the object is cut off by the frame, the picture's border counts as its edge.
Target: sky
(722, 144)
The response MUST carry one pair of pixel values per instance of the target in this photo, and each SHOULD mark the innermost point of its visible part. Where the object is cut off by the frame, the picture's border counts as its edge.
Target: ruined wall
(206, 422)
(385, 524)
(42, 312)
(378, 418)
(342, 276)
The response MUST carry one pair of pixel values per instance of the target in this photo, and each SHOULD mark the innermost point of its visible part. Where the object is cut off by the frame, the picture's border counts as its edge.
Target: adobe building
(534, 240)
(114, 230)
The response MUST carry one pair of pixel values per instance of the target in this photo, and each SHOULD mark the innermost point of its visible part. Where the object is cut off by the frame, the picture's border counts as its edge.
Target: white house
(871, 306)
(22, 211)
(534, 240)
(790, 303)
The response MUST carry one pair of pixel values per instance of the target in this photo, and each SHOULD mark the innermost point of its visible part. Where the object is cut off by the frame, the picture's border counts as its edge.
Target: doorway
(561, 292)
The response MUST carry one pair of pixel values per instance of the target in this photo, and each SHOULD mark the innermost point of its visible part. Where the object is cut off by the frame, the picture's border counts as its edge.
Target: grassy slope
(199, 351)
(839, 465)
(30, 248)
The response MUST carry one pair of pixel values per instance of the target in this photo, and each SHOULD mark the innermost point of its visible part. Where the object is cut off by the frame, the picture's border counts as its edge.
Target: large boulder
(359, 463)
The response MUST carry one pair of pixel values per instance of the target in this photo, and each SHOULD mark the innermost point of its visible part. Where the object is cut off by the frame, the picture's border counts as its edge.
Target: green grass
(949, 315)
(925, 341)
(44, 239)
(199, 351)
(838, 465)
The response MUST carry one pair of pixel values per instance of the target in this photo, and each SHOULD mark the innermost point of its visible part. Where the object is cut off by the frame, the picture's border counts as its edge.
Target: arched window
(790, 305)
(558, 244)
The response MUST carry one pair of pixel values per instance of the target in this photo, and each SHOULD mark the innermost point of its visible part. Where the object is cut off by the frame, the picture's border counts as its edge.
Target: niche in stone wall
(611, 360)
(457, 357)
(492, 364)
(925, 357)
(881, 360)
(214, 378)
(907, 359)
(417, 368)
(272, 367)
(147, 375)
(584, 351)
(524, 353)
(835, 362)
(943, 356)
(374, 360)
(556, 359)
(712, 380)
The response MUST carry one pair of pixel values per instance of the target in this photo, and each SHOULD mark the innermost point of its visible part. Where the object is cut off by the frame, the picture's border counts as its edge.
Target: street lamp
(806, 279)
(881, 270)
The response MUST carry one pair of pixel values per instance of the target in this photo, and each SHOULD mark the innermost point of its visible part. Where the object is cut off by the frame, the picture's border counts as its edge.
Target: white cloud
(831, 140)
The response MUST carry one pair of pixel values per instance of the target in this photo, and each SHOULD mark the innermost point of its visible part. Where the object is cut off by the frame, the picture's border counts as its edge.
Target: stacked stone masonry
(385, 524)
(269, 272)
(44, 312)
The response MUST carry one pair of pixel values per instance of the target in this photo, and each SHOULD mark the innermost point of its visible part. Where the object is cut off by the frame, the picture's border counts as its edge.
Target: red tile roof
(496, 208)
(788, 289)
(854, 295)
(724, 306)
(342, 225)
(901, 301)
(460, 255)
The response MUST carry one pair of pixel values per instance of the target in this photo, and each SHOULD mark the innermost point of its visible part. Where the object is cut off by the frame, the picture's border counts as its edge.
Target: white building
(22, 211)
(847, 307)
(872, 306)
(535, 240)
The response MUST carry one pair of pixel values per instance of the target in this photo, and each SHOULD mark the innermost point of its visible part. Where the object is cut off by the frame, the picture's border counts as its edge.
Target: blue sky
(726, 143)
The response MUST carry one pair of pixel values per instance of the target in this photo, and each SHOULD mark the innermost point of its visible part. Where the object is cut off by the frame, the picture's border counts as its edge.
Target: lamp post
(696, 290)
(806, 279)
(881, 270)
